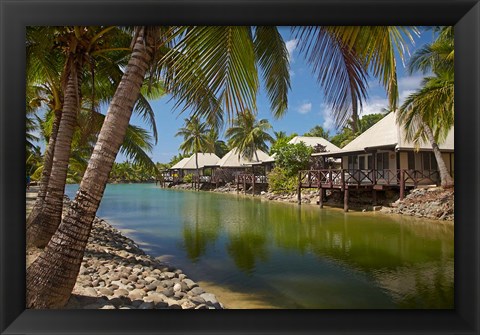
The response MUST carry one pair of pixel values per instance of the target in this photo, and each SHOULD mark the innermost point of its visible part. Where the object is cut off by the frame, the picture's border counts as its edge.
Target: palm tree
(77, 44)
(196, 136)
(211, 69)
(428, 113)
(318, 131)
(219, 146)
(225, 72)
(342, 56)
(249, 135)
(44, 218)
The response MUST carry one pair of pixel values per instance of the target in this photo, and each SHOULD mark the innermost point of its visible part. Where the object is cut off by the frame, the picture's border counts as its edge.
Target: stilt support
(320, 196)
(345, 200)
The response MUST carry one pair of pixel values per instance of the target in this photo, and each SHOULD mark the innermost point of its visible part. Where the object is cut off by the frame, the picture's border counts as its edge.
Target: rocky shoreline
(116, 274)
(433, 203)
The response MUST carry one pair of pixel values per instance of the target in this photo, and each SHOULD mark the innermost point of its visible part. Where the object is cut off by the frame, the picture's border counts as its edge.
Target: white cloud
(374, 106)
(305, 108)
(291, 46)
(409, 83)
(328, 119)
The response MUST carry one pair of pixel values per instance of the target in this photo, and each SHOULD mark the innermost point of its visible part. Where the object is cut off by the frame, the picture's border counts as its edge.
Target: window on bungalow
(428, 161)
(411, 160)
(369, 162)
(352, 162)
(382, 161)
(361, 162)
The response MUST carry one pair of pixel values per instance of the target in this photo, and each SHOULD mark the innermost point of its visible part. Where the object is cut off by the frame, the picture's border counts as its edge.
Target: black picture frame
(15, 15)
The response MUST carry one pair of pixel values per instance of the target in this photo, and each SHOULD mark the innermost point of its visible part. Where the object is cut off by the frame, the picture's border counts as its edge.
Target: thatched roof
(232, 159)
(203, 160)
(386, 133)
(313, 141)
(180, 164)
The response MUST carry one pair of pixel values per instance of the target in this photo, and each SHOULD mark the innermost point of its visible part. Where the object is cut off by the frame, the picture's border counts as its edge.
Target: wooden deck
(246, 179)
(375, 180)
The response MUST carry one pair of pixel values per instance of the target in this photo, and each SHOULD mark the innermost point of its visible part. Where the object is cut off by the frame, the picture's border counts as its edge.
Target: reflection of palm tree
(247, 244)
(203, 231)
(245, 249)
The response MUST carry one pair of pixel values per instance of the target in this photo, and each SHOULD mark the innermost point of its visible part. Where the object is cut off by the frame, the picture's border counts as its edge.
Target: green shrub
(280, 182)
(293, 158)
(188, 178)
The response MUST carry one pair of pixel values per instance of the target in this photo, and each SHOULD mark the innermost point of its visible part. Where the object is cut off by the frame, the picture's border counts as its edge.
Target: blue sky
(306, 108)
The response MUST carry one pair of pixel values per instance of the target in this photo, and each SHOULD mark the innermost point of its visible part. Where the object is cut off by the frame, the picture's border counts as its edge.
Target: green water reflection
(291, 256)
(387, 261)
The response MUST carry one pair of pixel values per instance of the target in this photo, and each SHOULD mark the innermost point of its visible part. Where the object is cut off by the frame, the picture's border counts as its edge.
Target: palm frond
(339, 70)
(272, 56)
(221, 59)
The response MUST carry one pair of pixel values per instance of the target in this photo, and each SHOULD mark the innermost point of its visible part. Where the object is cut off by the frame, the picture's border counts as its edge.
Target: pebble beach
(116, 274)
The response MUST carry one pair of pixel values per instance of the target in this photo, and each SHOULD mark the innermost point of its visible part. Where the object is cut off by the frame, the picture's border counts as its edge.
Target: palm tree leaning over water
(428, 113)
(249, 135)
(225, 81)
(74, 47)
(230, 74)
(96, 87)
(196, 136)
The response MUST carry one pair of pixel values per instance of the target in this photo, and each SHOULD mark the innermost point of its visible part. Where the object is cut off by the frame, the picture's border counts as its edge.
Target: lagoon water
(256, 253)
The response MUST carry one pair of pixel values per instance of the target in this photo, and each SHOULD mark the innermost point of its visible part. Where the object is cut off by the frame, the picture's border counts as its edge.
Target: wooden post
(299, 190)
(345, 200)
(374, 196)
(402, 184)
(320, 195)
(244, 185)
(253, 185)
(236, 178)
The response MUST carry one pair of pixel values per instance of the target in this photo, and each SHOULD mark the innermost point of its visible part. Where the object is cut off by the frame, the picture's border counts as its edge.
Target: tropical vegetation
(214, 72)
(248, 134)
(225, 80)
(197, 138)
(428, 113)
(289, 160)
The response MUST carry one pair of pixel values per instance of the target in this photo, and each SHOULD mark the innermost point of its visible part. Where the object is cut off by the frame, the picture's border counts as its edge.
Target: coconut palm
(249, 135)
(219, 146)
(45, 217)
(224, 71)
(78, 45)
(428, 113)
(197, 138)
(318, 131)
(44, 66)
(211, 70)
(342, 56)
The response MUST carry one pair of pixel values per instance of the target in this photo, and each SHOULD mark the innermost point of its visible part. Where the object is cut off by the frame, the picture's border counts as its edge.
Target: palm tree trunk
(445, 178)
(50, 279)
(44, 224)
(47, 168)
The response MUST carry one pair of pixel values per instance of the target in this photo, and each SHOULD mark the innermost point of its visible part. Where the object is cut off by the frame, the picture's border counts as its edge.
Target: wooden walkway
(375, 180)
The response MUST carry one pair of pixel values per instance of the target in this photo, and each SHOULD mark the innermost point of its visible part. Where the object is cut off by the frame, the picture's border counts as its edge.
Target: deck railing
(346, 177)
